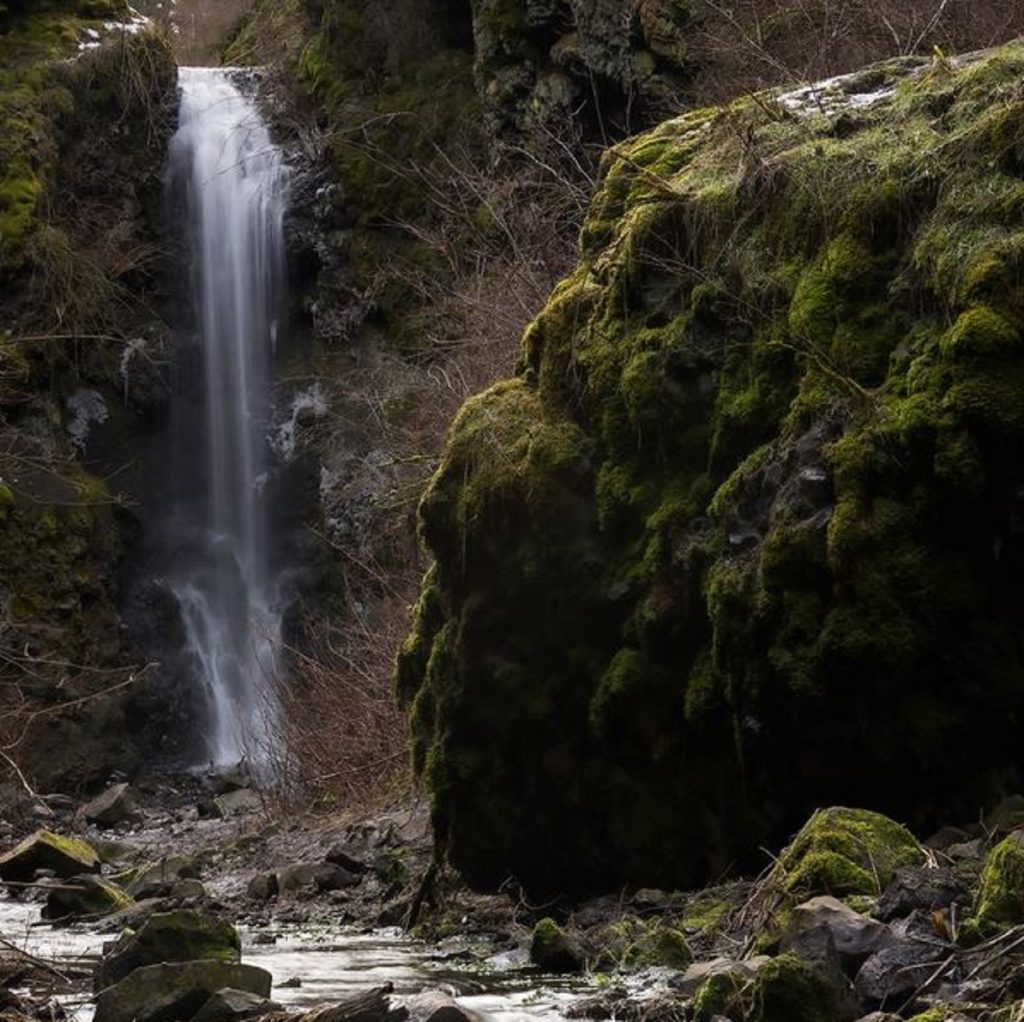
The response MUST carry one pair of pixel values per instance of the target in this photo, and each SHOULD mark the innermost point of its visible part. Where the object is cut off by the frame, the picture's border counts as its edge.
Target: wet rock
(292, 983)
(789, 989)
(188, 890)
(297, 876)
(233, 778)
(552, 950)
(263, 887)
(968, 851)
(116, 805)
(921, 888)
(892, 975)
(66, 856)
(158, 879)
(814, 946)
(230, 1005)
(169, 937)
(435, 1006)
(687, 983)
(853, 935)
(328, 877)
(242, 802)
(1001, 896)
(85, 895)
(172, 991)
(345, 856)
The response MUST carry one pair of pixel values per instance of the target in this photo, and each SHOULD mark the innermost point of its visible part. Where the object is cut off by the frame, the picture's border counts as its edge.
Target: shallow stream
(330, 966)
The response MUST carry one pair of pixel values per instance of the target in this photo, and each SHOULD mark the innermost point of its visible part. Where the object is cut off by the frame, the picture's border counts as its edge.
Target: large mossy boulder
(846, 851)
(64, 856)
(171, 991)
(179, 936)
(745, 536)
(788, 989)
(1000, 901)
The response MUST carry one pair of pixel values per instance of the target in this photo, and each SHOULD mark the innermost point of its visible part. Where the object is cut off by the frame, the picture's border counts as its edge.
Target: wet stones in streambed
(230, 1005)
(159, 879)
(84, 896)
(553, 950)
(174, 991)
(169, 937)
(435, 1006)
(64, 857)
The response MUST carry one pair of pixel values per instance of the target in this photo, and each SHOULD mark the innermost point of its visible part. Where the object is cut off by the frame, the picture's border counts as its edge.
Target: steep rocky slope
(84, 95)
(743, 536)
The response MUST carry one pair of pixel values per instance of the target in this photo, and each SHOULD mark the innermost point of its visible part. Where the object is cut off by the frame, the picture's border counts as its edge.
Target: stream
(330, 966)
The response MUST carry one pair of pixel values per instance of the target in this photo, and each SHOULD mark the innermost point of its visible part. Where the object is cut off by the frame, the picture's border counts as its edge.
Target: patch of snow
(87, 408)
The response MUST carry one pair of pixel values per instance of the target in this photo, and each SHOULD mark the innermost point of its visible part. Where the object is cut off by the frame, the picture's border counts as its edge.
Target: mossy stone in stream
(85, 896)
(179, 936)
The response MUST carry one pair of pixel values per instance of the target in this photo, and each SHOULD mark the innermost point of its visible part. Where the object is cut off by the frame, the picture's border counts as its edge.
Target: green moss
(1000, 902)
(787, 989)
(721, 994)
(552, 950)
(846, 851)
(761, 462)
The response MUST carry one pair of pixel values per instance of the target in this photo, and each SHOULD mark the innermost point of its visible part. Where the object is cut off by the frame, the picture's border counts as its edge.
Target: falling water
(234, 185)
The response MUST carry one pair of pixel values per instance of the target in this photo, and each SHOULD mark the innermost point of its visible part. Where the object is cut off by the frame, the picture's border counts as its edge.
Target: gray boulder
(854, 936)
(65, 856)
(172, 991)
(436, 1006)
(894, 973)
(157, 880)
(229, 1005)
(242, 802)
(116, 805)
(180, 936)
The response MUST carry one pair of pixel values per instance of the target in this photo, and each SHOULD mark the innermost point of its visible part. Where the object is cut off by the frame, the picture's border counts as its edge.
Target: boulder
(171, 991)
(553, 950)
(788, 989)
(241, 802)
(230, 1005)
(853, 935)
(436, 1006)
(843, 851)
(1001, 896)
(66, 856)
(922, 888)
(688, 982)
(347, 858)
(116, 805)
(263, 886)
(893, 973)
(329, 877)
(85, 895)
(158, 879)
(179, 936)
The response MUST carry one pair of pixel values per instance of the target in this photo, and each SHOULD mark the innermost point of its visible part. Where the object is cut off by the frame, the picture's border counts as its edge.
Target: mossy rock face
(846, 852)
(728, 548)
(1001, 895)
(66, 856)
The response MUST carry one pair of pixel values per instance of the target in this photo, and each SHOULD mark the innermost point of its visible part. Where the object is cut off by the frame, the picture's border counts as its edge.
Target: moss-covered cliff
(85, 101)
(744, 535)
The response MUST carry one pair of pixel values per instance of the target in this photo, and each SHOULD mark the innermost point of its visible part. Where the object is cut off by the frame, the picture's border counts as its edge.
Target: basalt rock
(44, 850)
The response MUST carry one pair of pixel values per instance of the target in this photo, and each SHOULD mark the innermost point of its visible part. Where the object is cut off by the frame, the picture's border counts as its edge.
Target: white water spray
(235, 186)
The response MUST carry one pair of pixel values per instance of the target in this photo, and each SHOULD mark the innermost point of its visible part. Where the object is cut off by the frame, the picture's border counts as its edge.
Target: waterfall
(233, 187)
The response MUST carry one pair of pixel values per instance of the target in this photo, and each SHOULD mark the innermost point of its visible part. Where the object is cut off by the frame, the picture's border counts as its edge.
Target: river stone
(66, 856)
(237, 803)
(158, 879)
(924, 888)
(854, 936)
(85, 895)
(262, 887)
(116, 805)
(230, 1005)
(172, 991)
(435, 1006)
(894, 973)
(179, 936)
(688, 982)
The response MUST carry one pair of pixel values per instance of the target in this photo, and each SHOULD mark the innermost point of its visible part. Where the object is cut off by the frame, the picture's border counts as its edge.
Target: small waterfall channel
(232, 184)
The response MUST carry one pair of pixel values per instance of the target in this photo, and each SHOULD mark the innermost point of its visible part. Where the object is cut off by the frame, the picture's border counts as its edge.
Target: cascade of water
(234, 184)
